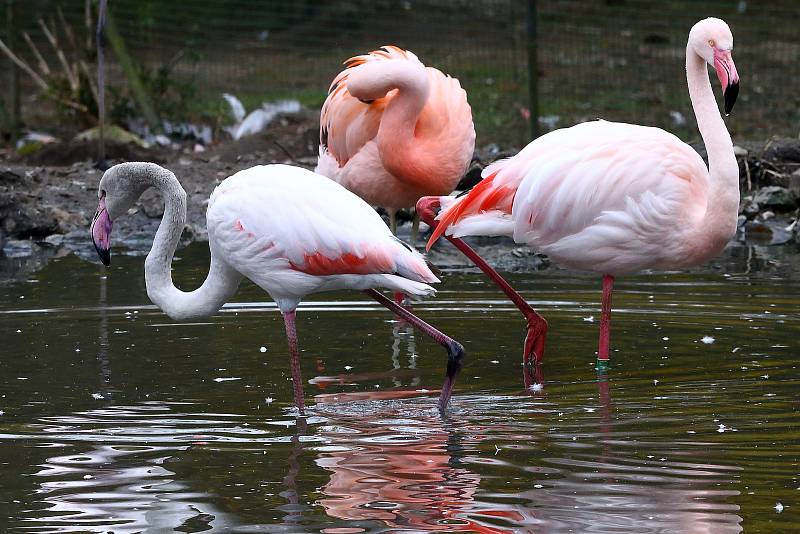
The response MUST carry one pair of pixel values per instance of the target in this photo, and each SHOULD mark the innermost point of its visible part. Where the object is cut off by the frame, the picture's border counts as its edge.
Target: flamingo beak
(728, 77)
(101, 232)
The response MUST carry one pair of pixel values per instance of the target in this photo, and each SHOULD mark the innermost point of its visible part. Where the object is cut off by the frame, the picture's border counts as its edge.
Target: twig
(89, 79)
(43, 66)
(24, 66)
(87, 21)
(747, 173)
(67, 29)
(288, 154)
(73, 82)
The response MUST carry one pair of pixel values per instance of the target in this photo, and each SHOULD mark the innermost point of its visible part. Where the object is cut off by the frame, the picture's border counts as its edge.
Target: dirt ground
(48, 198)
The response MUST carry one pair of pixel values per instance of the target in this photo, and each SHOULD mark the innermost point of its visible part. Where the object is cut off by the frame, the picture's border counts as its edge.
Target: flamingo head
(101, 231)
(712, 40)
(372, 80)
(119, 189)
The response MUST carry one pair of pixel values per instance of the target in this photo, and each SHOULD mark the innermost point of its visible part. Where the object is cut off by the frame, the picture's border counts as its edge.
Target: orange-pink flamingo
(393, 130)
(609, 197)
(289, 230)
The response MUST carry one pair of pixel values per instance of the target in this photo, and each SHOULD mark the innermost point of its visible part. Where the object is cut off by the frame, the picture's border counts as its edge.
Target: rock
(152, 204)
(472, 177)
(7, 176)
(740, 152)
(794, 182)
(16, 248)
(776, 197)
(749, 207)
(769, 232)
(54, 240)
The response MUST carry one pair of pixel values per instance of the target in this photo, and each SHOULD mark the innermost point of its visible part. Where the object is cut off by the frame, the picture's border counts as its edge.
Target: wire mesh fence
(615, 59)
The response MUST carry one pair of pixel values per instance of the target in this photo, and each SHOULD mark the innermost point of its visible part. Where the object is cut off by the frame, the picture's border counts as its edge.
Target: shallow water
(116, 419)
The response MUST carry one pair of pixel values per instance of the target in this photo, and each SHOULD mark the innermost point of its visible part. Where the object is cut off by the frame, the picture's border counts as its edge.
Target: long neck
(723, 192)
(398, 139)
(221, 282)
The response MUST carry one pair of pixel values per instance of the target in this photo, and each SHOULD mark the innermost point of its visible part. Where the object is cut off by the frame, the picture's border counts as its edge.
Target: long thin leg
(605, 319)
(414, 230)
(537, 325)
(297, 379)
(393, 221)
(455, 351)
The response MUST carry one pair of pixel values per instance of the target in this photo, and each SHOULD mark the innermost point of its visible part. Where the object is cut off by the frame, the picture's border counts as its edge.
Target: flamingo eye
(711, 43)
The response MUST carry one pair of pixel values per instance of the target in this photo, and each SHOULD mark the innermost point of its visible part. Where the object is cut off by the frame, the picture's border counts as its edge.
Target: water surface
(116, 419)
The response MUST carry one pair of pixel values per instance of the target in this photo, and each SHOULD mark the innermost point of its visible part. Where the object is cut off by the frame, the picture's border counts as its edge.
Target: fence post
(533, 88)
(101, 83)
(15, 105)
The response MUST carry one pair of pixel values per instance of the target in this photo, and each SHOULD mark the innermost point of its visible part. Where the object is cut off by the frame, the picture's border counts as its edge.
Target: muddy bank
(47, 201)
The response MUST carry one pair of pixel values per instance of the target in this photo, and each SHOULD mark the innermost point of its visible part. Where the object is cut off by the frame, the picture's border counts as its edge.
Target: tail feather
(412, 265)
(485, 196)
(408, 287)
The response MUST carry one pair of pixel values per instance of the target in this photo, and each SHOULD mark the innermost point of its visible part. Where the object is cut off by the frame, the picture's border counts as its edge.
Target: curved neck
(723, 191)
(397, 138)
(221, 282)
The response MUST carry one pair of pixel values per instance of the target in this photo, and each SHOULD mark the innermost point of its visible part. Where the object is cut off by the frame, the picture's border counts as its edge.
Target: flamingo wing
(593, 195)
(278, 217)
(609, 183)
(347, 123)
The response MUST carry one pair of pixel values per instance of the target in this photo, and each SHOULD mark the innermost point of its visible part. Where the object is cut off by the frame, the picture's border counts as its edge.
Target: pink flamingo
(609, 197)
(290, 231)
(393, 130)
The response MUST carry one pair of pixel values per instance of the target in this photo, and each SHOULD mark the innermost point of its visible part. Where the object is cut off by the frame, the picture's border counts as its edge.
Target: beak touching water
(101, 232)
(728, 77)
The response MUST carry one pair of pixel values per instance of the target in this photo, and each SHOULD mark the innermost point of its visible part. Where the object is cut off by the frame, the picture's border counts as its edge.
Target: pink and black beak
(101, 232)
(728, 77)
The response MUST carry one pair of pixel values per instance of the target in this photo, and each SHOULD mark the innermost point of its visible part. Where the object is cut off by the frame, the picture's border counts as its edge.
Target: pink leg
(297, 379)
(537, 325)
(605, 319)
(455, 351)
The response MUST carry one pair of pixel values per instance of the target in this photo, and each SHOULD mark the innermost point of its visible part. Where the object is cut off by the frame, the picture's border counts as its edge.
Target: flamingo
(609, 197)
(290, 231)
(393, 130)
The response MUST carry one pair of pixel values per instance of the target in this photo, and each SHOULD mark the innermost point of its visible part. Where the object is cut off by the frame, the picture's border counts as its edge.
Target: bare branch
(24, 66)
(42, 63)
(67, 29)
(89, 79)
(71, 78)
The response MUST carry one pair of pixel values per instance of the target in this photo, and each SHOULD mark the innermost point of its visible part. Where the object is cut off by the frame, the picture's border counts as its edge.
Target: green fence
(616, 59)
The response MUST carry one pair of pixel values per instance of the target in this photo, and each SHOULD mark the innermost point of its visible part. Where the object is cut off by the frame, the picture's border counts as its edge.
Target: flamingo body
(412, 137)
(289, 230)
(607, 197)
(612, 198)
(293, 232)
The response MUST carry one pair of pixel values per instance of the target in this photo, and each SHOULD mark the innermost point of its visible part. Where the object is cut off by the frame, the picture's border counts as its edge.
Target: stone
(776, 197)
(748, 207)
(739, 151)
(767, 233)
(54, 240)
(152, 204)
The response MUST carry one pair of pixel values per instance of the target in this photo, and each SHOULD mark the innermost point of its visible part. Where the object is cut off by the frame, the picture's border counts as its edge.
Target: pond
(113, 418)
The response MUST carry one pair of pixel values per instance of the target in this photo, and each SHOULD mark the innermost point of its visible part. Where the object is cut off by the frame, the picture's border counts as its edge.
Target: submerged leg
(297, 379)
(605, 319)
(455, 351)
(537, 325)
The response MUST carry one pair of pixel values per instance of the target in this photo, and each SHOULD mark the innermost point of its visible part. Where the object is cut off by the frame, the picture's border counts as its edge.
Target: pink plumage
(613, 198)
(290, 231)
(393, 130)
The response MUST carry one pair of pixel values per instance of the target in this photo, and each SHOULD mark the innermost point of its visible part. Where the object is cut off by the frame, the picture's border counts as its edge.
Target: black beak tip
(104, 254)
(731, 92)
